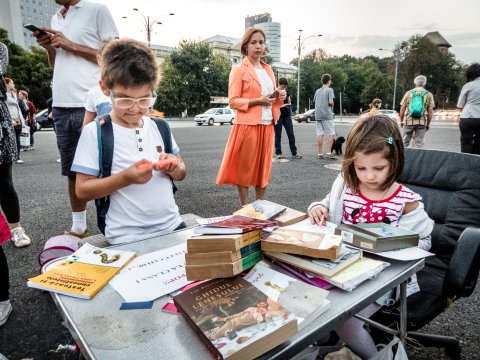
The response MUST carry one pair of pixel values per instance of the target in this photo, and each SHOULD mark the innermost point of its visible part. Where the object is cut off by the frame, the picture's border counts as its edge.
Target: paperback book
(215, 243)
(235, 319)
(84, 273)
(219, 257)
(324, 246)
(348, 255)
(234, 225)
(290, 216)
(261, 209)
(215, 271)
(305, 301)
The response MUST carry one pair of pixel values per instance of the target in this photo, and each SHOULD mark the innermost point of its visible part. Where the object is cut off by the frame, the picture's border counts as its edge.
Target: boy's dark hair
(282, 81)
(326, 78)
(472, 72)
(128, 63)
(371, 134)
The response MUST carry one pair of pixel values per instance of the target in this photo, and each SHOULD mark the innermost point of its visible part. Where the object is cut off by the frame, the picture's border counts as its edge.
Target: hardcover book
(214, 243)
(235, 319)
(290, 216)
(215, 271)
(261, 209)
(234, 225)
(377, 237)
(304, 301)
(84, 273)
(348, 255)
(219, 257)
(325, 246)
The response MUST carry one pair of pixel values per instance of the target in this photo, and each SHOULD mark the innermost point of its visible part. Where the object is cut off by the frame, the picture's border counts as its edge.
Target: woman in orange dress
(247, 160)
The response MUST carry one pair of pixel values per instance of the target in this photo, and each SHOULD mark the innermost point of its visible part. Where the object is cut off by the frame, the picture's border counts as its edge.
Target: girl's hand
(140, 172)
(318, 215)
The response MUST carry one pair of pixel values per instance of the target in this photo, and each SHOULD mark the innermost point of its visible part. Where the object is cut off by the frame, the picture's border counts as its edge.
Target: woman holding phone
(252, 92)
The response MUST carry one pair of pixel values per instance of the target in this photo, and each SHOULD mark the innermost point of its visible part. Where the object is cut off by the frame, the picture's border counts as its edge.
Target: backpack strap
(166, 134)
(105, 158)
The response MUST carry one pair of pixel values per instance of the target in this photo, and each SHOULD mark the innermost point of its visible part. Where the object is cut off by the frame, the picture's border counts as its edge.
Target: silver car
(215, 115)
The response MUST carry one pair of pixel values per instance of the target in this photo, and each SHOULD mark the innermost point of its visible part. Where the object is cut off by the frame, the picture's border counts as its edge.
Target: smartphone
(33, 28)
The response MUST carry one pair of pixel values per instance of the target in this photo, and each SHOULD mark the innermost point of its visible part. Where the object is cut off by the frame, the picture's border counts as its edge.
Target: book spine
(250, 249)
(251, 260)
(200, 333)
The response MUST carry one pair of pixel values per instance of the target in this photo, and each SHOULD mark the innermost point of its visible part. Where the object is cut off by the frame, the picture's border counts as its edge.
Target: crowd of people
(105, 84)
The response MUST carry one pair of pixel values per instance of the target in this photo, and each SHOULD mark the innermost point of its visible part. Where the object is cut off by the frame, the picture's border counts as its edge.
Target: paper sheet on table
(207, 221)
(152, 275)
(306, 225)
(407, 254)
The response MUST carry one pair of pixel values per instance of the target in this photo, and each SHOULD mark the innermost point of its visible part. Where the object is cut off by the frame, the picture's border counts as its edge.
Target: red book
(234, 225)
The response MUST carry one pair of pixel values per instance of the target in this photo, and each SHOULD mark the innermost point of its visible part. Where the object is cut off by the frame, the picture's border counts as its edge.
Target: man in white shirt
(78, 29)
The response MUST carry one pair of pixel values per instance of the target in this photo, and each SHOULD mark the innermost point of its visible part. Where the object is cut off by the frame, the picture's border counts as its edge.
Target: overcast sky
(353, 27)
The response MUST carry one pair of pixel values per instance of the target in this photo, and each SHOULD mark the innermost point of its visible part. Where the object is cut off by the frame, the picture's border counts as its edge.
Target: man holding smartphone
(77, 31)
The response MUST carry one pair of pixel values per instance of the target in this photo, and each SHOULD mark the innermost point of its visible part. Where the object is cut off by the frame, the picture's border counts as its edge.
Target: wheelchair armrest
(462, 273)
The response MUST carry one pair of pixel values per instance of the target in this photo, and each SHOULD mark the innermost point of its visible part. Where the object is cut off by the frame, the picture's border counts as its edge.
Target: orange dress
(247, 160)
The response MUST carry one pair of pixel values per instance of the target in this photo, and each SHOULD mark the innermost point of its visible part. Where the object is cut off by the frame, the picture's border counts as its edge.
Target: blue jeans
(286, 122)
(68, 127)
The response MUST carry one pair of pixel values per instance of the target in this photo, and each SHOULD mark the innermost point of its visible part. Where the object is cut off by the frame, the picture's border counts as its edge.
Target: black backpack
(105, 157)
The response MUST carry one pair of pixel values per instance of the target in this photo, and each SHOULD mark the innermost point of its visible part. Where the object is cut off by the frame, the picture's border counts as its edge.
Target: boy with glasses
(140, 189)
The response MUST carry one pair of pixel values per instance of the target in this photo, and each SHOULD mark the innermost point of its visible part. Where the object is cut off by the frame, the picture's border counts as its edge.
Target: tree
(191, 76)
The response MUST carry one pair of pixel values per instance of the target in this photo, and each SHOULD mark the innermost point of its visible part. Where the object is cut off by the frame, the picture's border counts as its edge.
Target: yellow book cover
(84, 273)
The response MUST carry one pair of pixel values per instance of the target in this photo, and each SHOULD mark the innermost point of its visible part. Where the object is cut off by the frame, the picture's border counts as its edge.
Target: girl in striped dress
(366, 191)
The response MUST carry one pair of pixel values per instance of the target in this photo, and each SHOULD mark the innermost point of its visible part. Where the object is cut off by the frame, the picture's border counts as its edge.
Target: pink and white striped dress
(359, 209)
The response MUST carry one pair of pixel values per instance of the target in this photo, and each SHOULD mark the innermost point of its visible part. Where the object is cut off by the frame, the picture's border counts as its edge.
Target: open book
(84, 273)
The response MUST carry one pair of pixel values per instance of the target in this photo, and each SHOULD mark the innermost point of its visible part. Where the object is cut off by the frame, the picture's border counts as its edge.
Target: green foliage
(191, 76)
(29, 70)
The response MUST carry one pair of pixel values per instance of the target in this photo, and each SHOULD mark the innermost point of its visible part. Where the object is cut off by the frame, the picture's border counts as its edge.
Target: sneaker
(82, 235)
(58, 160)
(19, 161)
(5, 310)
(320, 156)
(296, 156)
(278, 156)
(330, 156)
(20, 239)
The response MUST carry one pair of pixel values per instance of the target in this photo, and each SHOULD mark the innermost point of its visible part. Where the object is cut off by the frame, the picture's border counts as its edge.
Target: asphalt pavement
(35, 330)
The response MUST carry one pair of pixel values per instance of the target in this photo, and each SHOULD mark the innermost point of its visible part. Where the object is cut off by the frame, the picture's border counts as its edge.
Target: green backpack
(417, 104)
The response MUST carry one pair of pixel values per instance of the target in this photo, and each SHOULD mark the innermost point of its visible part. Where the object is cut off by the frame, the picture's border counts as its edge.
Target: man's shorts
(325, 127)
(68, 127)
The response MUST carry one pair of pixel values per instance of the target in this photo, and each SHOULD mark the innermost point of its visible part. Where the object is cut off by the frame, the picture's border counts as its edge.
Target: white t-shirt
(87, 24)
(98, 102)
(267, 88)
(137, 211)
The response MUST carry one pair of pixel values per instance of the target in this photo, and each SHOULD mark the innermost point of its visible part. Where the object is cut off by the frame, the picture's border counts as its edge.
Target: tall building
(272, 31)
(15, 13)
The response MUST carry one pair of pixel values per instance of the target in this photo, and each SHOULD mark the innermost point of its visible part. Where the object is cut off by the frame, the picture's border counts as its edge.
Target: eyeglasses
(125, 103)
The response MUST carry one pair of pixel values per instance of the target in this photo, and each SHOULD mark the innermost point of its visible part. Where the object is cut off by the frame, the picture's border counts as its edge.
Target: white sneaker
(5, 310)
(19, 161)
(20, 239)
(58, 160)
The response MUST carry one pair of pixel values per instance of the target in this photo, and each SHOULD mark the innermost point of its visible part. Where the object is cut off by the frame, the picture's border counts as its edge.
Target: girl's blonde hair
(371, 134)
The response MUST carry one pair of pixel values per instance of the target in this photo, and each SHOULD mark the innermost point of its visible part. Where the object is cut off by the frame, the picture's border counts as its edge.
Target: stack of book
(224, 248)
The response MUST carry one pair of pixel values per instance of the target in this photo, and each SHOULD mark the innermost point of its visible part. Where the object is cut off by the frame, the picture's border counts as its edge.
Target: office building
(15, 13)
(272, 31)
(257, 19)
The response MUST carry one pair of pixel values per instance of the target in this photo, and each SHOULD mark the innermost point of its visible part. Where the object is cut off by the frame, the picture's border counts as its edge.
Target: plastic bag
(391, 352)
(25, 136)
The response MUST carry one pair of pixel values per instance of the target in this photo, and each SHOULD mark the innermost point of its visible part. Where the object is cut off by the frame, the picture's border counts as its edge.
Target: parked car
(443, 115)
(43, 121)
(216, 115)
(308, 116)
(392, 114)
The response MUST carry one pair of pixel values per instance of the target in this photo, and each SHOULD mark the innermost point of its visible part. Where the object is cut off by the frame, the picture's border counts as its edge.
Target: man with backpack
(416, 112)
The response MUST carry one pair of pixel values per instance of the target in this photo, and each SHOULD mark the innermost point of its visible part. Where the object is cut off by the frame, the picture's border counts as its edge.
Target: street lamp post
(300, 44)
(148, 23)
(396, 56)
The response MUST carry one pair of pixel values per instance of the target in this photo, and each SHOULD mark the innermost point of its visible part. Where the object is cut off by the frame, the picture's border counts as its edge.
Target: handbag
(25, 136)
